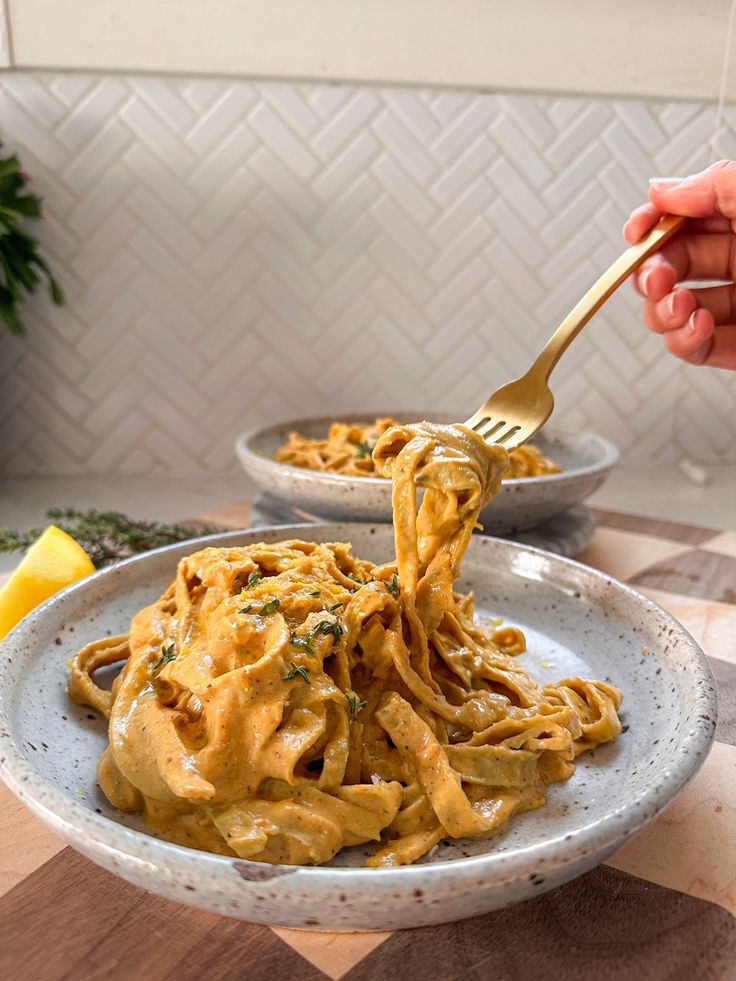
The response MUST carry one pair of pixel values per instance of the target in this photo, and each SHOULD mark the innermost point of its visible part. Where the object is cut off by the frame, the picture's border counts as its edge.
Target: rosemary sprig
(295, 670)
(106, 536)
(364, 450)
(393, 586)
(253, 579)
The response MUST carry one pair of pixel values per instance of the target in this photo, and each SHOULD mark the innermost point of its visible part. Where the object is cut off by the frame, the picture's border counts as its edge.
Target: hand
(698, 325)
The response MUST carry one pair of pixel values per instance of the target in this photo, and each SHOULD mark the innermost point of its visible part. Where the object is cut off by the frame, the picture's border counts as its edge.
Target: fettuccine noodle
(348, 449)
(282, 702)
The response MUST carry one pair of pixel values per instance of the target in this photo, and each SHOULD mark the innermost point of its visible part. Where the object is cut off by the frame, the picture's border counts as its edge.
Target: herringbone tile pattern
(234, 252)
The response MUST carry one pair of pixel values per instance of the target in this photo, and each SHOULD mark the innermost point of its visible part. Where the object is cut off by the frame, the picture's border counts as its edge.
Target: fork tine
(492, 427)
(494, 430)
(479, 422)
(508, 434)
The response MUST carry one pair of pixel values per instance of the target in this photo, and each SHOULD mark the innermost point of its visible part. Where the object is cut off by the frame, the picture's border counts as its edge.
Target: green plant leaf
(8, 166)
(57, 293)
(8, 314)
(21, 264)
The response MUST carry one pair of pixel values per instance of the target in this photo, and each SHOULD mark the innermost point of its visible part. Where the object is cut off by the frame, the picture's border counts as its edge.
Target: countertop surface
(665, 493)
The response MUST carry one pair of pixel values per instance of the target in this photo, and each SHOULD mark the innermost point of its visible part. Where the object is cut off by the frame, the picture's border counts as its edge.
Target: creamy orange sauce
(282, 702)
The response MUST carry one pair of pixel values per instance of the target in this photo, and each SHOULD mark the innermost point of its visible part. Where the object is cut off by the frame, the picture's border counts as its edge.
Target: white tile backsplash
(236, 252)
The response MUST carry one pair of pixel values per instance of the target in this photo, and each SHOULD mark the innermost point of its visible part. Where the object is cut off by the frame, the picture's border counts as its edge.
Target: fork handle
(599, 292)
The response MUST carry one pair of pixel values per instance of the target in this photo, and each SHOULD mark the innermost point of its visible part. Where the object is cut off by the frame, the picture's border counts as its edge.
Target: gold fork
(516, 411)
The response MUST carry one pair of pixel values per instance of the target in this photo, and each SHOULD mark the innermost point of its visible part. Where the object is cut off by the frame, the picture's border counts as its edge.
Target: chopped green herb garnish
(270, 607)
(246, 609)
(167, 654)
(297, 669)
(253, 579)
(361, 582)
(355, 704)
(393, 586)
(322, 628)
(316, 592)
(326, 628)
(305, 642)
(364, 450)
(335, 606)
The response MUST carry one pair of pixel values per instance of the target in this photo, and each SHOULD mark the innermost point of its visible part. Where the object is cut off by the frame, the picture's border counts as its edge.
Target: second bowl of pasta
(324, 467)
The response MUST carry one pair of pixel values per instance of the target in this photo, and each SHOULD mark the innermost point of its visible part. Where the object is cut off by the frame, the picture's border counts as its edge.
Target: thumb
(711, 192)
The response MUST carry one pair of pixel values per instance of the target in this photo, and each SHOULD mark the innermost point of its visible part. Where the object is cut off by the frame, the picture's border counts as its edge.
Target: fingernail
(645, 277)
(691, 325)
(671, 304)
(663, 183)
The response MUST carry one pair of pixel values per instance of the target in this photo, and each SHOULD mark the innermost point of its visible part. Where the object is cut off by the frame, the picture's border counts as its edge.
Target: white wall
(668, 48)
(235, 252)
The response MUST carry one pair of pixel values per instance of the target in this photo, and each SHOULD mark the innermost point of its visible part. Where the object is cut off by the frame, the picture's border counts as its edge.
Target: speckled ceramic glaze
(577, 621)
(566, 533)
(585, 459)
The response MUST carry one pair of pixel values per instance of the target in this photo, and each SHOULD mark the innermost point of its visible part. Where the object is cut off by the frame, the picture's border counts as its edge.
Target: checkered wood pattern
(664, 905)
(235, 252)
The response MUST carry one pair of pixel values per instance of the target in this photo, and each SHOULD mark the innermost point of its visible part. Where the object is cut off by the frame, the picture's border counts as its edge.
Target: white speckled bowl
(585, 459)
(577, 621)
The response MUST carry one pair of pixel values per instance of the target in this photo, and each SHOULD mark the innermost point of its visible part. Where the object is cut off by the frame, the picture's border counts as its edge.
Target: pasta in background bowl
(347, 448)
(584, 459)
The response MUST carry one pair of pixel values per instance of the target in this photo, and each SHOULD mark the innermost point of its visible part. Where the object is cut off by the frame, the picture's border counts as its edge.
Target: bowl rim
(76, 821)
(245, 451)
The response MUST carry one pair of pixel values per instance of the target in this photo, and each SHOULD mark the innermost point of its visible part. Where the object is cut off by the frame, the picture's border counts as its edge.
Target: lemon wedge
(54, 561)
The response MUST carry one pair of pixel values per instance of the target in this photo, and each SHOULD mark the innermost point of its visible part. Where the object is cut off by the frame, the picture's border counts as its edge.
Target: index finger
(711, 192)
(644, 218)
(640, 221)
